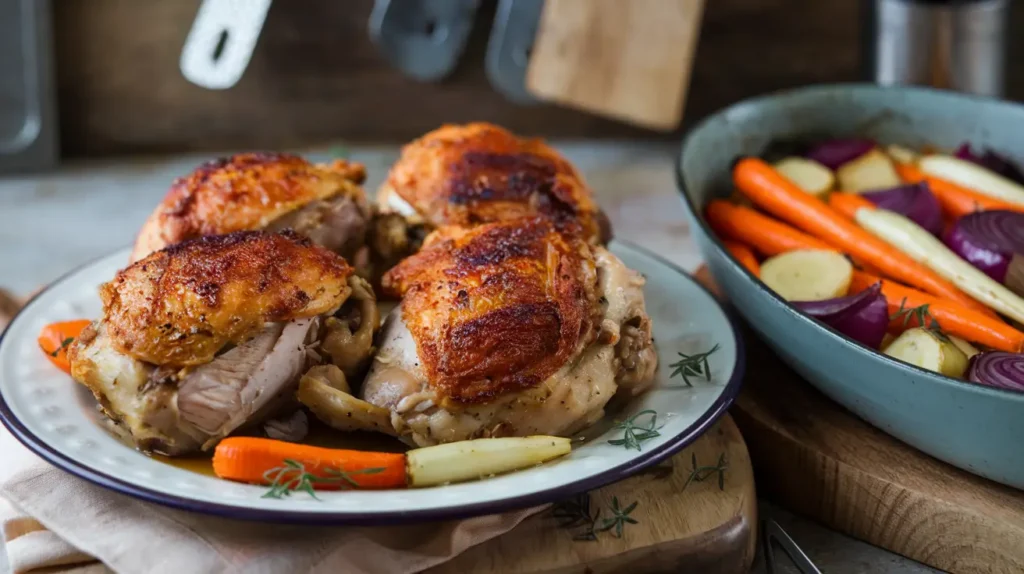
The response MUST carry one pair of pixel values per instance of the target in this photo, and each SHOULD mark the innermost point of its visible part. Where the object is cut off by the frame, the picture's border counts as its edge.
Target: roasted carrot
(848, 203)
(777, 195)
(952, 317)
(55, 338)
(249, 459)
(744, 255)
(766, 235)
(955, 200)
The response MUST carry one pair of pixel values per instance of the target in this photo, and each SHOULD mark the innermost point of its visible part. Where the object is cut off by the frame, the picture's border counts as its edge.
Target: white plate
(57, 418)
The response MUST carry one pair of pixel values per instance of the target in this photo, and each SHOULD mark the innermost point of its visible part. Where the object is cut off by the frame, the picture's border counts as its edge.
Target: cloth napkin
(57, 522)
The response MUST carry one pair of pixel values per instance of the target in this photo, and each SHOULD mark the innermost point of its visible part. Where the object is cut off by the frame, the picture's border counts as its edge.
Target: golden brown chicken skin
(181, 305)
(262, 190)
(478, 173)
(496, 308)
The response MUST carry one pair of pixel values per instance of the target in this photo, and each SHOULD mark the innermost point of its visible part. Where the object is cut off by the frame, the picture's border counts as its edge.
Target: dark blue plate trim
(615, 474)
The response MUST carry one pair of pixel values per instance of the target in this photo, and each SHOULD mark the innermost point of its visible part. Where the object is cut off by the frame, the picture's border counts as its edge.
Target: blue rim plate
(57, 419)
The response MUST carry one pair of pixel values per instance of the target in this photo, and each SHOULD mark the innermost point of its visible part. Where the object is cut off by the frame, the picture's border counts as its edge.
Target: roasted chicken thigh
(512, 328)
(211, 334)
(466, 175)
(271, 191)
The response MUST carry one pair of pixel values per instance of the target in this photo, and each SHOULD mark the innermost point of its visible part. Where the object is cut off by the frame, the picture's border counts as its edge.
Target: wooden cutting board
(698, 528)
(815, 458)
(628, 60)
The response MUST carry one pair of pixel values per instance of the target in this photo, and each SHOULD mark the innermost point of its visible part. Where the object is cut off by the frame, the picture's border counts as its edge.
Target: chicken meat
(466, 175)
(511, 328)
(213, 334)
(271, 191)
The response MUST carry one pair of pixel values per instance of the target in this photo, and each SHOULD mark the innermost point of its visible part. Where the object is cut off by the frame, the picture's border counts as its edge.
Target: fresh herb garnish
(702, 473)
(923, 316)
(620, 518)
(574, 513)
(63, 345)
(695, 365)
(633, 434)
(293, 477)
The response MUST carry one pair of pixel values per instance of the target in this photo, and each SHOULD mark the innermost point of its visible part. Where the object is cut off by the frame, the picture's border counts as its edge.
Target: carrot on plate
(254, 460)
(744, 255)
(766, 235)
(848, 203)
(777, 195)
(955, 200)
(953, 318)
(55, 338)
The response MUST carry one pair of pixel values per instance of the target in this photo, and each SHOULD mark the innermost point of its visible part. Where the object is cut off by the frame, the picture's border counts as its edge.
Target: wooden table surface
(53, 222)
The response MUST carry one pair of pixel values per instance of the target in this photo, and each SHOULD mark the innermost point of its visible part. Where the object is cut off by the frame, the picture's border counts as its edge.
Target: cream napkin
(60, 523)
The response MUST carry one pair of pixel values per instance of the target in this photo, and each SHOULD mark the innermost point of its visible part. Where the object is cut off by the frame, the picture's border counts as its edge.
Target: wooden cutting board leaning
(697, 510)
(815, 458)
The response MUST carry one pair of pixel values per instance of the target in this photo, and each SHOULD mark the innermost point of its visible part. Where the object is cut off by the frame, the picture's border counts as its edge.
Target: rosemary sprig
(620, 518)
(633, 434)
(695, 365)
(574, 513)
(293, 477)
(63, 345)
(923, 316)
(702, 473)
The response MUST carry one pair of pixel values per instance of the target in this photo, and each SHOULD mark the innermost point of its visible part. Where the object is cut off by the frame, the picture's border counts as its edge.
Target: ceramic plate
(58, 420)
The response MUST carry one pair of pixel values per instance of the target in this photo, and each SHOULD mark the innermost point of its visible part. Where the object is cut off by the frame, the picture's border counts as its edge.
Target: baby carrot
(848, 203)
(255, 460)
(744, 255)
(955, 200)
(55, 338)
(952, 318)
(766, 235)
(777, 195)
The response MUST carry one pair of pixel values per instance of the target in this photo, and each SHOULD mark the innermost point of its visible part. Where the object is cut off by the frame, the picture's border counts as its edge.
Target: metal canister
(953, 44)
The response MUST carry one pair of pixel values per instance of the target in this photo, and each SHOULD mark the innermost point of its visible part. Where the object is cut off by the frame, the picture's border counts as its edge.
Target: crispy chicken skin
(257, 191)
(477, 173)
(213, 334)
(498, 307)
(181, 305)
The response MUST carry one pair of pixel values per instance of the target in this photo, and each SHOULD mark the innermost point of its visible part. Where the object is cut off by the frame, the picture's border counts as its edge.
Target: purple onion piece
(863, 317)
(991, 161)
(997, 369)
(915, 201)
(834, 153)
(989, 240)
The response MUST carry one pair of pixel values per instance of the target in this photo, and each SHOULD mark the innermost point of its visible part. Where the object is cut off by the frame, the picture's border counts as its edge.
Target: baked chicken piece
(211, 334)
(513, 328)
(271, 191)
(465, 175)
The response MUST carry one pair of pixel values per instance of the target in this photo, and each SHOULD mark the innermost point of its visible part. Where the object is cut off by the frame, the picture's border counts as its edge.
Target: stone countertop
(51, 223)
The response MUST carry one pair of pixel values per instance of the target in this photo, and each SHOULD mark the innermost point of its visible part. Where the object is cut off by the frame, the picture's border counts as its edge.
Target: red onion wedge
(991, 161)
(992, 241)
(834, 153)
(997, 369)
(863, 317)
(914, 201)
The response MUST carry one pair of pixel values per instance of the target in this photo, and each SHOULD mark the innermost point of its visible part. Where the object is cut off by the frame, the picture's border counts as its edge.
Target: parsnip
(913, 240)
(901, 154)
(807, 174)
(887, 340)
(968, 349)
(973, 176)
(807, 275)
(930, 351)
(472, 459)
(870, 172)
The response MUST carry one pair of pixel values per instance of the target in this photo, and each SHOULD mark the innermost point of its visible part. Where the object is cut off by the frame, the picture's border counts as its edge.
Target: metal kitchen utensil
(954, 44)
(772, 534)
(508, 50)
(220, 44)
(422, 38)
(28, 108)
